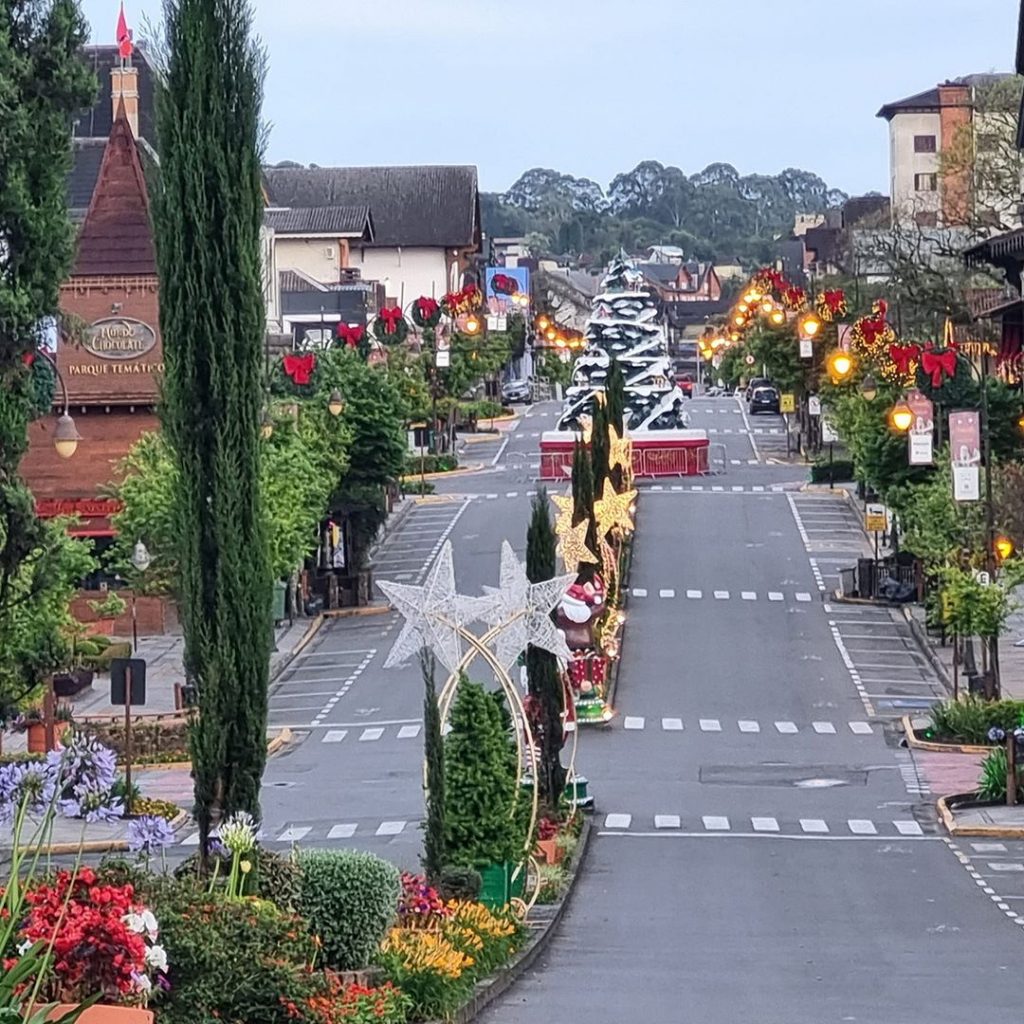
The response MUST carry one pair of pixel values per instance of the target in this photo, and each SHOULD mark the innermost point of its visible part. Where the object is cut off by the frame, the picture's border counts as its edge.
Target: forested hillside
(715, 214)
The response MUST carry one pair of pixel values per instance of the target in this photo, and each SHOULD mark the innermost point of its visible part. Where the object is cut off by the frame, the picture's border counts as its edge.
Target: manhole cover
(782, 775)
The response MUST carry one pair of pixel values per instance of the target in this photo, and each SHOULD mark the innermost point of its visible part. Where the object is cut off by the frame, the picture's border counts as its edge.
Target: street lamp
(810, 325)
(901, 416)
(778, 316)
(840, 366)
(869, 388)
(472, 324)
(1003, 548)
(66, 436)
(141, 561)
(336, 403)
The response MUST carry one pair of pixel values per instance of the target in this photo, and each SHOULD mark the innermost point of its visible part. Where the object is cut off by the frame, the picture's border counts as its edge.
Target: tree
(545, 683)
(480, 790)
(43, 84)
(433, 744)
(600, 449)
(212, 322)
(615, 391)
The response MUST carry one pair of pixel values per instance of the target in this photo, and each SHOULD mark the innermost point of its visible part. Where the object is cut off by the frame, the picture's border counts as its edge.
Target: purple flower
(84, 763)
(215, 848)
(28, 782)
(149, 834)
(92, 805)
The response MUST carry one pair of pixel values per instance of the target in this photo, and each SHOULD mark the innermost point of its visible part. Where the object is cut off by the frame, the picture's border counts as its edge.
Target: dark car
(764, 399)
(756, 382)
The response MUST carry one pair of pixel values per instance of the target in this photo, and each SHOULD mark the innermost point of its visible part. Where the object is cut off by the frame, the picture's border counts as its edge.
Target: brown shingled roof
(116, 237)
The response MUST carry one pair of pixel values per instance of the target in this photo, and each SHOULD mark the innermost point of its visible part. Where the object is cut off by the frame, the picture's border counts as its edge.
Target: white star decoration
(433, 614)
(526, 608)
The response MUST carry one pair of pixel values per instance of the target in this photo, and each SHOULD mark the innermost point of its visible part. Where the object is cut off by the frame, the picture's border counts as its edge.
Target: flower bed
(970, 719)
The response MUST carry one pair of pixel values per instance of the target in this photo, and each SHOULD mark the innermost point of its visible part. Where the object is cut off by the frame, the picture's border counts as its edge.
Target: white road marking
(1002, 865)
(803, 597)
(672, 724)
(390, 828)
(618, 820)
(908, 828)
(335, 735)
(989, 847)
(192, 840)
(694, 595)
(710, 725)
(861, 728)
(639, 592)
(716, 824)
(813, 825)
(786, 727)
(824, 728)
(294, 834)
(774, 595)
(862, 827)
(748, 595)
(408, 732)
(667, 821)
(721, 595)
(764, 824)
(633, 722)
(371, 734)
(666, 593)
(749, 726)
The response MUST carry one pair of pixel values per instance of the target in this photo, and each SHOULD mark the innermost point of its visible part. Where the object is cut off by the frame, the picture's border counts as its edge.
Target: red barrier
(660, 454)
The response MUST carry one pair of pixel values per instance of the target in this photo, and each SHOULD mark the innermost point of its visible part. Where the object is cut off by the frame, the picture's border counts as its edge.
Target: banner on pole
(921, 429)
(965, 444)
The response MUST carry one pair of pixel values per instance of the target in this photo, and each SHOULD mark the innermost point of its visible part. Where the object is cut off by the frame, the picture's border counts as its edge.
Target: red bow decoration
(427, 307)
(939, 364)
(300, 368)
(871, 328)
(903, 356)
(28, 358)
(880, 308)
(793, 298)
(351, 334)
(390, 318)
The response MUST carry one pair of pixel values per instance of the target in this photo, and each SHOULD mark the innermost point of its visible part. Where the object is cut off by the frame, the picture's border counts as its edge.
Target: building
(419, 233)
(687, 281)
(922, 128)
(113, 370)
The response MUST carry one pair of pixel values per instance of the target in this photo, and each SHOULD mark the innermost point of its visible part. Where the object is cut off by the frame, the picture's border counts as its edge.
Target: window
(926, 182)
(924, 143)
(926, 219)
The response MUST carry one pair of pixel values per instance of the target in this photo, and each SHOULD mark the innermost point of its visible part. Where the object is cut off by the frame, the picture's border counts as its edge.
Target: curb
(488, 990)
(940, 748)
(177, 823)
(810, 488)
(925, 647)
(282, 739)
(354, 613)
(836, 598)
(983, 831)
(474, 467)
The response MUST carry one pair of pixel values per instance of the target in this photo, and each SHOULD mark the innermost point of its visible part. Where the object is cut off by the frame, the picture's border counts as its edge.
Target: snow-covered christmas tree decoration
(625, 325)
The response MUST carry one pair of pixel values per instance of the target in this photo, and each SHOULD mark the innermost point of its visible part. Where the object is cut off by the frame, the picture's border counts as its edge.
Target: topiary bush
(350, 899)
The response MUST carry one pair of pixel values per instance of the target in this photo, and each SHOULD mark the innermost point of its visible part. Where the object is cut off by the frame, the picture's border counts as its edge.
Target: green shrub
(413, 485)
(350, 899)
(842, 469)
(459, 883)
(969, 719)
(992, 784)
(274, 877)
(230, 960)
(553, 878)
(416, 464)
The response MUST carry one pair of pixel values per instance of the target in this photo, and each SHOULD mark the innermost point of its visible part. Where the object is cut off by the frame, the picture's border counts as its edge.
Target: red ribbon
(300, 368)
(390, 318)
(834, 299)
(903, 356)
(871, 328)
(939, 364)
(351, 334)
(426, 307)
(794, 297)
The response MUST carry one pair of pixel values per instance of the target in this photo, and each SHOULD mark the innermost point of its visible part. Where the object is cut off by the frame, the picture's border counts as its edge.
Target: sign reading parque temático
(120, 369)
(118, 338)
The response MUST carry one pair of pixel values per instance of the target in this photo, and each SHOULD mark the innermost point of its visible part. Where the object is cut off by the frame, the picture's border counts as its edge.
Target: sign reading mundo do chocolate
(119, 339)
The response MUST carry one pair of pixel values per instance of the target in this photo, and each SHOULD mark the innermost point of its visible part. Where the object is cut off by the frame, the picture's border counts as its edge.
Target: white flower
(134, 923)
(150, 925)
(156, 958)
(142, 983)
(239, 833)
(24, 947)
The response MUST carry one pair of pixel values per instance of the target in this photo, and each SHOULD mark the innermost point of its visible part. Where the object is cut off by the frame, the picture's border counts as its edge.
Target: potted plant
(85, 650)
(547, 846)
(33, 722)
(106, 612)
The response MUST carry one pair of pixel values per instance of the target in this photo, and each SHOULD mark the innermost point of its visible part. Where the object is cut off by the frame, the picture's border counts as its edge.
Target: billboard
(965, 446)
(507, 290)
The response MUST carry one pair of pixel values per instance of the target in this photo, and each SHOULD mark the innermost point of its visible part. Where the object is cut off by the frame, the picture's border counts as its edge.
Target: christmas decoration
(390, 326)
(769, 282)
(458, 303)
(503, 284)
(299, 368)
(566, 506)
(426, 312)
(904, 359)
(572, 546)
(614, 511)
(871, 338)
(938, 364)
(831, 305)
(794, 299)
(351, 334)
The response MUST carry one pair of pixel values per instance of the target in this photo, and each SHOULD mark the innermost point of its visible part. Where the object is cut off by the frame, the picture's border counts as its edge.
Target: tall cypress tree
(208, 211)
(615, 390)
(583, 498)
(542, 666)
(433, 743)
(600, 448)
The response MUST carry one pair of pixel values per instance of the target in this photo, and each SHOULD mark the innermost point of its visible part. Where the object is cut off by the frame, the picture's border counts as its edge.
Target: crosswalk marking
(371, 734)
(748, 726)
(989, 847)
(813, 825)
(335, 735)
(908, 828)
(862, 827)
(786, 727)
(721, 595)
(765, 824)
(803, 597)
(639, 592)
(390, 828)
(346, 831)
(192, 840)
(618, 820)
(408, 732)
(824, 728)
(748, 595)
(774, 595)
(713, 823)
(672, 724)
(710, 725)
(666, 593)
(861, 728)
(694, 595)
(294, 834)
(666, 821)
(633, 722)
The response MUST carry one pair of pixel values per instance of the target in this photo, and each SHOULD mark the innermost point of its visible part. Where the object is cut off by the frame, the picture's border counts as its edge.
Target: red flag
(124, 35)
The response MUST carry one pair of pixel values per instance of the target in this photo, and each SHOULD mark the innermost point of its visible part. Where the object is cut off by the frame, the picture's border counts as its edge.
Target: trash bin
(280, 590)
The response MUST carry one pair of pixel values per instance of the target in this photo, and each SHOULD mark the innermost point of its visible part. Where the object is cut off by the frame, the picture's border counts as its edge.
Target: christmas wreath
(943, 375)
(871, 338)
(770, 282)
(831, 305)
(426, 312)
(465, 301)
(390, 326)
(296, 373)
(794, 299)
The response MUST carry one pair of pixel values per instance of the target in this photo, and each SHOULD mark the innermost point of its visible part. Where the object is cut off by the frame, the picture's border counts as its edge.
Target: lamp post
(66, 436)
(141, 560)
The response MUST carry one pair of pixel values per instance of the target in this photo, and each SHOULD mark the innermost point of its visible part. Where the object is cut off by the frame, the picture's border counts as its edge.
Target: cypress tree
(433, 827)
(545, 684)
(600, 447)
(208, 211)
(615, 390)
(583, 495)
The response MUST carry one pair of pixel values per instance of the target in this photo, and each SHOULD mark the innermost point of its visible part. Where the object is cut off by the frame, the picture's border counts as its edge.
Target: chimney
(124, 88)
(955, 116)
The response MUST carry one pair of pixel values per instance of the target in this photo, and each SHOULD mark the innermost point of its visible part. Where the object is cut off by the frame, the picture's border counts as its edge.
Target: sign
(507, 290)
(844, 333)
(965, 445)
(444, 352)
(120, 668)
(982, 577)
(750, 360)
(497, 322)
(787, 403)
(814, 405)
(86, 508)
(118, 338)
(875, 520)
(919, 437)
(102, 369)
(806, 348)
(829, 435)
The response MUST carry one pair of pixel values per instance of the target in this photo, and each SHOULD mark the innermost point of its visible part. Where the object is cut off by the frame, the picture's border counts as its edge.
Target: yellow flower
(245, 866)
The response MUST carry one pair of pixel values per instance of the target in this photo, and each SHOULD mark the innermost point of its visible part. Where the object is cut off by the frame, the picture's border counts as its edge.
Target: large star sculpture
(572, 546)
(613, 510)
(433, 614)
(621, 451)
(524, 610)
(566, 508)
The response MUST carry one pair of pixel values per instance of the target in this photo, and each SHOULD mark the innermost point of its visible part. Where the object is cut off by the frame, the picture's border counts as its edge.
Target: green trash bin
(280, 590)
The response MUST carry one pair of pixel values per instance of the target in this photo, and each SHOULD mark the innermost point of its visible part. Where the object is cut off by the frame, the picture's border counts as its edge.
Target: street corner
(914, 727)
(963, 814)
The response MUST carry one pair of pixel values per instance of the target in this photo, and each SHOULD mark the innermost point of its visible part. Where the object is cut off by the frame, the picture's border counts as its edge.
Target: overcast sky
(592, 87)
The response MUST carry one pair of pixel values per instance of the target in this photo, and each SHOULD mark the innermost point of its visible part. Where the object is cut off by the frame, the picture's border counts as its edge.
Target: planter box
(36, 738)
(549, 851)
(106, 1014)
(70, 683)
(497, 887)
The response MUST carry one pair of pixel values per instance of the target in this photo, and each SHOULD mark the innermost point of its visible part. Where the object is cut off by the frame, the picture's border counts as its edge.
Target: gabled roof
(116, 237)
(663, 273)
(340, 221)
(296, 281)
(435, 206)
(926, 101)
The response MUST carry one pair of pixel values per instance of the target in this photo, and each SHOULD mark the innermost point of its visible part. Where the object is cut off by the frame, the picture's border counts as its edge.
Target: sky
(593, 87)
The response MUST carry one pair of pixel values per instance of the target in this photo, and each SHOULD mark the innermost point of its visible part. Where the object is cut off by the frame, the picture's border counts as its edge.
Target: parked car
(516, 391)
(764, 399)
(757, 382)
(685, 382)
